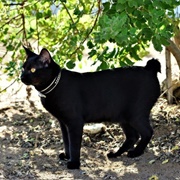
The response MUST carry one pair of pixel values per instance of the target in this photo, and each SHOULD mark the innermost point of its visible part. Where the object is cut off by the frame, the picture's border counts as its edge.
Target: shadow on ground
(30, 141)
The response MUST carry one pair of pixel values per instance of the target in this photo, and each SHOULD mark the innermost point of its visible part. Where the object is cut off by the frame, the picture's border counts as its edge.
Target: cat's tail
(153, 65)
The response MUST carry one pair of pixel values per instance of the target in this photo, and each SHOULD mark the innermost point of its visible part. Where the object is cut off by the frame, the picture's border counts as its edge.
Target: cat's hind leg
(132, 137)
(143, 127)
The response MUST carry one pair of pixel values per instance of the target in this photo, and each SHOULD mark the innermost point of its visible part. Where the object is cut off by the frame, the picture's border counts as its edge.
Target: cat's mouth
(27, 83)
(30, 83)
(26, 80)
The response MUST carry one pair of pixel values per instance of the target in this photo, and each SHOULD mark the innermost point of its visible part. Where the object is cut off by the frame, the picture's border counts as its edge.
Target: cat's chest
(51, 106)
(57, 107)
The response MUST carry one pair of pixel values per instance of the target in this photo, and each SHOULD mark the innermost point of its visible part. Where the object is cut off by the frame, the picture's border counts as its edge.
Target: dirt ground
(30, 141)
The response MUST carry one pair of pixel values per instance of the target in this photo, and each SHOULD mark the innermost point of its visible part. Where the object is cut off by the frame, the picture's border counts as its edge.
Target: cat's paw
(115, 154)
(73, 164)
(112, 155)
(134, 153)
(63, 156)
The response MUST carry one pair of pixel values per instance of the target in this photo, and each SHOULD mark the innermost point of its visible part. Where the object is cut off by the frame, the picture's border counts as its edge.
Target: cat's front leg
(65, 156)
(75, 137)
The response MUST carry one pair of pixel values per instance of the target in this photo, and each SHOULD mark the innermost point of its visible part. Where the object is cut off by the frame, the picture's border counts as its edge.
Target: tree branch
(174, 50)
(14, 18)
(69, 15)
(24, 26)
(14, 4)
(37, 29)
(8, 86)
(19, 31)
(97, 16)
(94, 24)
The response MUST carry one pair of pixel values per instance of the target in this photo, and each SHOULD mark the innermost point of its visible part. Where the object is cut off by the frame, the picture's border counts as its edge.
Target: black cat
(123, 95)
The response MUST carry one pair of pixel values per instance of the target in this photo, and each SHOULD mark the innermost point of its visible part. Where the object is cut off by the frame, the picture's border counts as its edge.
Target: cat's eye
(33, 70)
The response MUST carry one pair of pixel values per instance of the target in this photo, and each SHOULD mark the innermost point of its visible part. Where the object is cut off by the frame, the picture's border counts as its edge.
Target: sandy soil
(30, 140)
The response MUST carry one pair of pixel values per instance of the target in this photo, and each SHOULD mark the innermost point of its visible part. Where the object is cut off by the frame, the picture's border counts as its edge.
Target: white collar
(49, 88)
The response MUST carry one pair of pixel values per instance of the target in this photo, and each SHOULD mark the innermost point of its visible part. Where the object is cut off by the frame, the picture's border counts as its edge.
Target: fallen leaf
(165, 161)
(152, 161)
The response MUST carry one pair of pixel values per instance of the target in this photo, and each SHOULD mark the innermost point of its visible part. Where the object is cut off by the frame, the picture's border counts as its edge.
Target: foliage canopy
(66, 28)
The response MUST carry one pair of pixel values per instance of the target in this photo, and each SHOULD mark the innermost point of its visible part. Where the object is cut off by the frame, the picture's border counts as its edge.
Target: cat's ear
(29, 53)
(45, 56)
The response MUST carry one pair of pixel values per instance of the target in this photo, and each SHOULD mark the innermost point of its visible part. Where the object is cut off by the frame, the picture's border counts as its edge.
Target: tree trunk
(174, 50)
(169, 78)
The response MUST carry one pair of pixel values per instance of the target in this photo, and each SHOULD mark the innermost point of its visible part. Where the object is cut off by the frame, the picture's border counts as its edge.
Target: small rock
(94, 128)
(87, 139)
(178, 131)
(47, 166)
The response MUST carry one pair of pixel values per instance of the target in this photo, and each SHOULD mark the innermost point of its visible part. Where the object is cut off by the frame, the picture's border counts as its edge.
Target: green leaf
(79, 56)
(132, 3)
(112, 53)
(10, 47)
(92, 52)
(70, 64)
(31, 30)
(39, 15)
(103, 66)
(122, 63)
(90, 44)
(106, 6)
(157, 44)
(122, 37)
(164, 41)
(120, 7)
(122, 19)
(147, 33)
(129, 62)
(77, 11)
(122, 1)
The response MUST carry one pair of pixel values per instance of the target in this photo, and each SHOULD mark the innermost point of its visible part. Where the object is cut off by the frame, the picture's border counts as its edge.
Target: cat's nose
(22, 77)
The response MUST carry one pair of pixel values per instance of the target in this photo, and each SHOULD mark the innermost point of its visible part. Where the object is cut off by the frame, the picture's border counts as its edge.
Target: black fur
(123, 95)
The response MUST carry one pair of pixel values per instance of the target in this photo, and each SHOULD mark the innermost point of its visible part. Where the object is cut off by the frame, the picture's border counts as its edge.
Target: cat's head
(38, 70)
